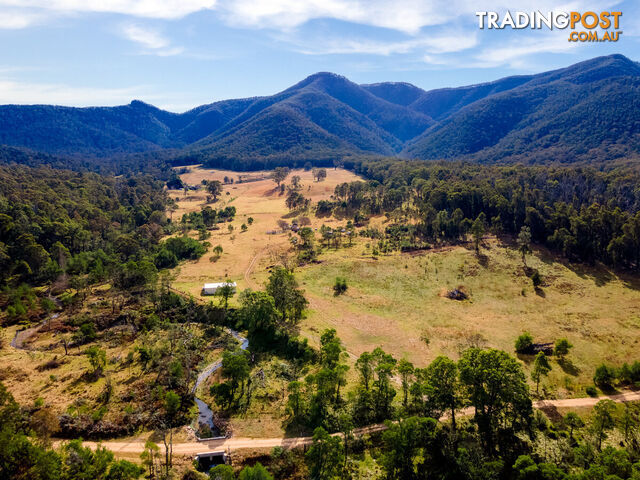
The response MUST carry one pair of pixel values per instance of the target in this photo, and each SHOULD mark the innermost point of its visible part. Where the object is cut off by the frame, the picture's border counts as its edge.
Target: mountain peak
(139, 104)
(559, 115)
(325, 75)
(321, 79)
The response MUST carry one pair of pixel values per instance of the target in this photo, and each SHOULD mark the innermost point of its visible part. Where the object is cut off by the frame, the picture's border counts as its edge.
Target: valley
(400, 283)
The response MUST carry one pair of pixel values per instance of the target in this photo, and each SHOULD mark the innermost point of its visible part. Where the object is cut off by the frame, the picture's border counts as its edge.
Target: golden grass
(393, 301)
(397, 299)
(254, 249)
(59, 387)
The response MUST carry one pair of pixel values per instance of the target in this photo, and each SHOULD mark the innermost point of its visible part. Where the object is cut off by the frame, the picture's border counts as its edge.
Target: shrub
(562, 347)
(165, 259)
(185, 248)
(591, 391)
(86, 333)
(604, 376)
(524, 342)
(340, 286)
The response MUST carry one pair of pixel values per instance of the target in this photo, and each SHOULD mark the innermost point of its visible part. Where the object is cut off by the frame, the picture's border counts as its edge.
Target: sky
(178, 54)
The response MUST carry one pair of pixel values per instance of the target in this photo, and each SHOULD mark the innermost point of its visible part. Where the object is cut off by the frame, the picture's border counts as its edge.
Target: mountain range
(586, 112)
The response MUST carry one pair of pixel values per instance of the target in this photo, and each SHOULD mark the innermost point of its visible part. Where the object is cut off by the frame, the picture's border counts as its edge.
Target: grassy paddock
(246, 254)
(397, 300)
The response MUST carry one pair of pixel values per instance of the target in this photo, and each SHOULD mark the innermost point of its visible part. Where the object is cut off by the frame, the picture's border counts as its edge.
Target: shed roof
(220, 284)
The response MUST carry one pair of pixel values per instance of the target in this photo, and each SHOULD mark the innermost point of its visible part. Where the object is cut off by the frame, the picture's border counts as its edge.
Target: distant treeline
(248, 164)
(150, 163)
(584, 214)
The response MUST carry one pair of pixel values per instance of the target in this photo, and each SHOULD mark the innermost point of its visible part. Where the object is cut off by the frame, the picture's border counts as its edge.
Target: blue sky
(178, 54)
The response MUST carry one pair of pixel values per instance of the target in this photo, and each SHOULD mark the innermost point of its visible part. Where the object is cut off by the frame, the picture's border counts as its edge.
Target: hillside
(586, 112)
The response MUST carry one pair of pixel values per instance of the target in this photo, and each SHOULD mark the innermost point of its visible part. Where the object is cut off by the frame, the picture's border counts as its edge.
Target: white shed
(212, 288)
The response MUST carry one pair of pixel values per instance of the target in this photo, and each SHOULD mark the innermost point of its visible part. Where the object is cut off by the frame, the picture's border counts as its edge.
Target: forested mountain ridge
(586, 112)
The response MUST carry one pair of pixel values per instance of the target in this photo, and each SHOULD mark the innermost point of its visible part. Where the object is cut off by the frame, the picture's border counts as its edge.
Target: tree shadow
(525, 357)
(552, 413)
(87, 377)
(294, 429)
(630, 281)
(568, 367)
(483, 259)
(540, 292)
(323, 214)
(609, 389)
(599, 274)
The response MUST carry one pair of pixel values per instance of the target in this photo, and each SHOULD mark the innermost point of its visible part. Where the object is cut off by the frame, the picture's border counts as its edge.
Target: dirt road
(238, 443)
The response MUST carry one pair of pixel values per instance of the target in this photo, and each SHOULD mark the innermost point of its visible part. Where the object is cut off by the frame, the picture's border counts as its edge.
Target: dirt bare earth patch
(125, 448)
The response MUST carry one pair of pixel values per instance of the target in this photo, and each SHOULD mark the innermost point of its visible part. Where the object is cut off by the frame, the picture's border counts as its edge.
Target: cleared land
(246, 254)
(397, 300)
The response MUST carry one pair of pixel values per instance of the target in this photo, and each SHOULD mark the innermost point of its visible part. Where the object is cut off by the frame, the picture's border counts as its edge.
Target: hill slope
(585, 112)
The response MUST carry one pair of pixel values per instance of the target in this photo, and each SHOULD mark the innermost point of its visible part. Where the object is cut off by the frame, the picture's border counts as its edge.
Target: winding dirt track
(249, 270)
(238, 443)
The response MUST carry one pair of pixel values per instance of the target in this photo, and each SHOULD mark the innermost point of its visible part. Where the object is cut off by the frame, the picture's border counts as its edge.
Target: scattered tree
(562, 348)
(573, 421)
(477, 230)
(603, 420)
(97, 359)
(214, 187)
(541, 368)
(524, 342)
(279, 175)
(324, 457)
(524, 243)
(319, 174)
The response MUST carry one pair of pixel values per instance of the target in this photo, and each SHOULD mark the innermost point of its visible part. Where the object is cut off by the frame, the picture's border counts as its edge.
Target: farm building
(212, 288)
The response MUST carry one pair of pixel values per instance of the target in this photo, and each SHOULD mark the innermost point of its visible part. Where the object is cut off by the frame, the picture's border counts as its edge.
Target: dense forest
(585, 113)
(584, 214)
(83, 223)
(62, 229)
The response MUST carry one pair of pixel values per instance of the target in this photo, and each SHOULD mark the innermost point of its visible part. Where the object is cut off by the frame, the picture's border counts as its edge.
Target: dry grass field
(68, 386)
(250, 251)
(25, 375)
(397, 300)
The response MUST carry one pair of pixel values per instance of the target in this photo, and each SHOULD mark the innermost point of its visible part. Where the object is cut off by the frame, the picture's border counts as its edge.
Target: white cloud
(12, 19)
(429, 44)
(167, 9)
(146, 37)
(516, 54)
(32, 93)
(151, 40)
(408, 16)
(25, 93)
